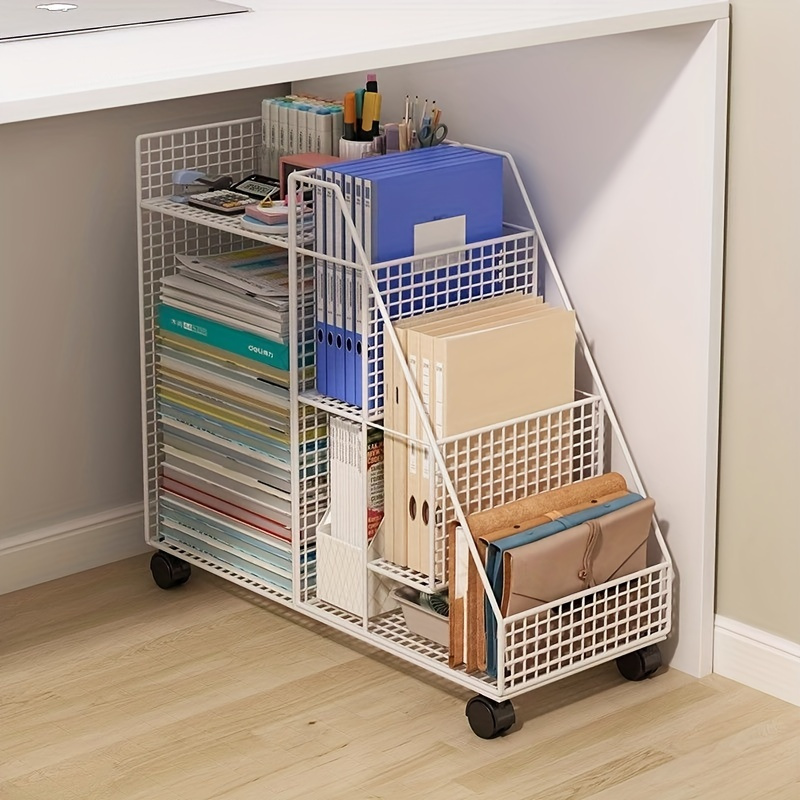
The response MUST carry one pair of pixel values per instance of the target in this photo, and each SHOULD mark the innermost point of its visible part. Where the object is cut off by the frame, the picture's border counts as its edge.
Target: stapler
(187, 182)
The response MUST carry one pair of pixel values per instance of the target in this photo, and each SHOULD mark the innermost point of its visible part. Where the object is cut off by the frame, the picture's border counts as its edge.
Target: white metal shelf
(210, 219)
(554, 447)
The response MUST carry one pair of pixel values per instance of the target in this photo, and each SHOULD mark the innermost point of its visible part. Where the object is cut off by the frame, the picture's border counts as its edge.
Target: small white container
(420, 620)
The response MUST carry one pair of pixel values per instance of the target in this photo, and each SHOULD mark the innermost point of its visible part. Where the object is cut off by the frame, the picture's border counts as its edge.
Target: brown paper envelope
(589, 554)
(483, 523)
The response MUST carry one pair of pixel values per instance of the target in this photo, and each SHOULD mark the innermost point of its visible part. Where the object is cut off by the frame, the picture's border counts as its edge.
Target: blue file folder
(392, 196)
(320, 322)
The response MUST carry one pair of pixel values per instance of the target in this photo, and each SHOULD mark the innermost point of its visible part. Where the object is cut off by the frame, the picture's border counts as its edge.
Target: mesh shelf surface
(163, 205)
(224, 571)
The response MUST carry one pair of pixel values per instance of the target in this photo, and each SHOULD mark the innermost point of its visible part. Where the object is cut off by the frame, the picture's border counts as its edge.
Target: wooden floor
(113, 689)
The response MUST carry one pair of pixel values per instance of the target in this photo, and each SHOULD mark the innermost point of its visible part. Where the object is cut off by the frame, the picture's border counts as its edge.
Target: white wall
(69, 374)
(759, 544)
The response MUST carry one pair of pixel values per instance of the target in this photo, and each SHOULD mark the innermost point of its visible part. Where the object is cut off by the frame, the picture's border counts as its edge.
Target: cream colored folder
(419, 504)
(508, 371)
(424, 491)
(400, 459)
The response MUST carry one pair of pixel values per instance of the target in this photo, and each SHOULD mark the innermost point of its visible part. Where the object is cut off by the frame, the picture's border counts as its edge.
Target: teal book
(224, 337)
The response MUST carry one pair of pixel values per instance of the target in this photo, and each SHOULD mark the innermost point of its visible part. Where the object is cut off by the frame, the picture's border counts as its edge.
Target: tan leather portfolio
(578, 558)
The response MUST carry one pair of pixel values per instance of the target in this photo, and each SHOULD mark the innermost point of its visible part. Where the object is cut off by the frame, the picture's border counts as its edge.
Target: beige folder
(508, 371)
(404, 460)
(422, 490)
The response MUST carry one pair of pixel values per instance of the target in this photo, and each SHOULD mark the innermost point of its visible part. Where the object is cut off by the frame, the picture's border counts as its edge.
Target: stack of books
(224, 411)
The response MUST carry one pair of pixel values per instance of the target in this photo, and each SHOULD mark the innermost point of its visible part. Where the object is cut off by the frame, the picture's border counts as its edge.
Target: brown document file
(578, 558)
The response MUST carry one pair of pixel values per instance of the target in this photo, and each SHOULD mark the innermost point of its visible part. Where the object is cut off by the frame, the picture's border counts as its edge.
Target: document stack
(224, 411)
(541, 548)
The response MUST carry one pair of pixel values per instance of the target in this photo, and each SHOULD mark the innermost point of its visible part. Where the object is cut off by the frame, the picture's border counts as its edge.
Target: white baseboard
(757, 659)
(69, 547)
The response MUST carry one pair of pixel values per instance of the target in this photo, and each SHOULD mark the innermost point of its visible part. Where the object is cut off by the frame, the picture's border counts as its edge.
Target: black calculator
(223, 201)
(259, 187)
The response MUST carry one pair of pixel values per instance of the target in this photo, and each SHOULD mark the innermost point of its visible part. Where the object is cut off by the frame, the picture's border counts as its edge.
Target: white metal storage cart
(357, 590)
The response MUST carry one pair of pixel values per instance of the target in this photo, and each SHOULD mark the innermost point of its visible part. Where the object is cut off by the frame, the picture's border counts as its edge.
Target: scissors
(430, 135)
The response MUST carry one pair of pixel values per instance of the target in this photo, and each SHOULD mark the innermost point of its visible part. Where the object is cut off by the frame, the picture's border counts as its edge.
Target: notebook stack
(224, 411)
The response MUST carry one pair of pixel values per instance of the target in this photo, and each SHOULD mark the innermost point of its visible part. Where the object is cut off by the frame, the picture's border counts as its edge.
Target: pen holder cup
(349, 151)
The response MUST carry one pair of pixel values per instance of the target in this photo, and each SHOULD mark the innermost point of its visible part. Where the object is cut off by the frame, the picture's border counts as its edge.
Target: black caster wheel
(169, 571)
(488, 718)
(639, 664)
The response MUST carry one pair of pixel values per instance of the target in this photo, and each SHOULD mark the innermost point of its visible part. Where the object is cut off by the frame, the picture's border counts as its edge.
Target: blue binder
(404, 190)
(320, 322)
(494, 559)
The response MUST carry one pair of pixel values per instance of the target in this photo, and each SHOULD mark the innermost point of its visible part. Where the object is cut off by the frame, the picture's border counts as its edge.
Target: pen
(368, 116)
(350, 116)
(359, 93)
(376, 115)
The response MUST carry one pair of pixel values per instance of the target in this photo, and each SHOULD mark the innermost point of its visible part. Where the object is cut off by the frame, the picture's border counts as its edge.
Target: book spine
(274, 138)
(265, 152)
(292, 123)
(215, 334)
(375, 484)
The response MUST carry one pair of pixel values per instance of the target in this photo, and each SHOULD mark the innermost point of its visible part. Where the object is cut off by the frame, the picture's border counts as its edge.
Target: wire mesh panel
(313, 491)
(162, 237)
(508, 462)
(562, 637)
(230, 148)
(450, 278)
(486, 468)
(167, 229)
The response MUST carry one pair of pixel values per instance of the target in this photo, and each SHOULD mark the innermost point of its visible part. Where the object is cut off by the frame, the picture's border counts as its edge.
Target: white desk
(281, 42)
(616, 112)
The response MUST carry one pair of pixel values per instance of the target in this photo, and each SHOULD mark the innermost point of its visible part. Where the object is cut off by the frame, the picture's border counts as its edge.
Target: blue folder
(408, 189)
(494, 559)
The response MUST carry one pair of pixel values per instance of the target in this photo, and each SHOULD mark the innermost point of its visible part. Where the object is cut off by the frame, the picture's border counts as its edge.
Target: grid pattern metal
(488, 467)
(443, 279)
(313, 497)
(404, 575)
(507, 462)
(161, 238)
(166, 229)
(561, 637)
(452, 277)
(229, 148)
(209, 219)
